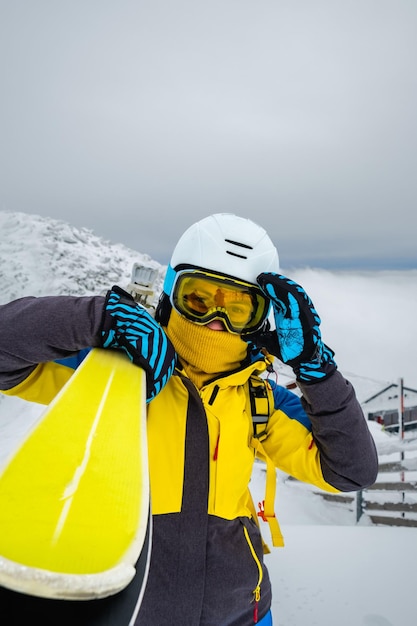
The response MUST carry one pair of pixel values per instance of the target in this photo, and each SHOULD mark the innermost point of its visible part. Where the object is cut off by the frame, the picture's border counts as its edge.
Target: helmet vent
(238, 243)
(240, 256)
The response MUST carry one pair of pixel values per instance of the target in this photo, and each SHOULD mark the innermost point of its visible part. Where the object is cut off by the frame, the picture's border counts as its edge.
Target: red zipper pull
(257, 594)
(216, 449)
(261, 512)
(255, 613)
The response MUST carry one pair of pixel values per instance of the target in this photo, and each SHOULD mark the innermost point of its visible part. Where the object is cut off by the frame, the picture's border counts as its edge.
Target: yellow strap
(268, 513)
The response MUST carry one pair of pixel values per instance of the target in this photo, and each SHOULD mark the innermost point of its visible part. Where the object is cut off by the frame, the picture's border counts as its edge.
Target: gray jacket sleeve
(347, 450)
(38, 330)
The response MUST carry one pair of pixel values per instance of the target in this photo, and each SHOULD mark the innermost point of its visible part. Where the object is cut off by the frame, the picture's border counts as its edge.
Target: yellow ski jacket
(288, 443)
(207, 565)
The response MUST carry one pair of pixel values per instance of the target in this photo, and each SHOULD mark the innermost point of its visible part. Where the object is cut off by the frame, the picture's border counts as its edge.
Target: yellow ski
(74, 499)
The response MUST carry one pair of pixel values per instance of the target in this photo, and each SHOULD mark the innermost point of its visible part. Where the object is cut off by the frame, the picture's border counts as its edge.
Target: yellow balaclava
(204, 353)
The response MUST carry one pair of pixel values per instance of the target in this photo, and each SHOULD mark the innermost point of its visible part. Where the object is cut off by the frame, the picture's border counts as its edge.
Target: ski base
(116, 610)
(74, 498)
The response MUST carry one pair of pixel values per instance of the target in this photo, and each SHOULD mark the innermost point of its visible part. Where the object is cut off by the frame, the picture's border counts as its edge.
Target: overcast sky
(136, 118)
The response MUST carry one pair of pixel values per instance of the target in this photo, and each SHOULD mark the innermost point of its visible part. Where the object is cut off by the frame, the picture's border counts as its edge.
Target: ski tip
(61, 586)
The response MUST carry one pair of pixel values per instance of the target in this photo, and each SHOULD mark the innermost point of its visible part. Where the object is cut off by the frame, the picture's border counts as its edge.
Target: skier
(206, 355)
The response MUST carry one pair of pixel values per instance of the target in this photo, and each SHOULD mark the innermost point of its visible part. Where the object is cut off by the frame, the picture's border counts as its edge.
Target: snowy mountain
(41, 256)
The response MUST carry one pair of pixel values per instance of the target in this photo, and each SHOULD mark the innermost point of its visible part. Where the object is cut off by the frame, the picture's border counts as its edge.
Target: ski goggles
(202, 297)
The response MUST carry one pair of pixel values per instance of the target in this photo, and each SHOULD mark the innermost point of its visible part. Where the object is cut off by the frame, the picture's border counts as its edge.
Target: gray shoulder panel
(38, 330)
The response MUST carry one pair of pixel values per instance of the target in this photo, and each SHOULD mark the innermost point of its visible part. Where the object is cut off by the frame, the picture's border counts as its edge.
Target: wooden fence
(391, 497)
(383, 497)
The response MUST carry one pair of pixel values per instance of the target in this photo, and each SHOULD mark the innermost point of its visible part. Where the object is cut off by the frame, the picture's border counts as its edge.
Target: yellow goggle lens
(203, 297)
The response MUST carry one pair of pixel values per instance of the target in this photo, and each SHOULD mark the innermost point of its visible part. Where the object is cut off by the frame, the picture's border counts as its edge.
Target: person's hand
(297, 340)
(128, 326)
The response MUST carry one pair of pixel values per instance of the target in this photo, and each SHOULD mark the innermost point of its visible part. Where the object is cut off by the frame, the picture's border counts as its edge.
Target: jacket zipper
(210, 403)
(257, 591)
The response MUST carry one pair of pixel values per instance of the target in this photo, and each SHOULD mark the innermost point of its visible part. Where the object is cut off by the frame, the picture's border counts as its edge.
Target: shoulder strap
(266, 508)
(261, 405)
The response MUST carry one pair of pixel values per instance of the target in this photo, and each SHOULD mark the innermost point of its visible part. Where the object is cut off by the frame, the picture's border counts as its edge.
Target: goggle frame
(259, 300)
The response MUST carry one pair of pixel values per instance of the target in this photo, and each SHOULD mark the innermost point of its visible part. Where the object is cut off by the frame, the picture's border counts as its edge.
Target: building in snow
(392, 402)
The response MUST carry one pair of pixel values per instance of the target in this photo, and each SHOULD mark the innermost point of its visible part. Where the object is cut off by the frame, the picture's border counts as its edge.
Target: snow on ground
(345, 576)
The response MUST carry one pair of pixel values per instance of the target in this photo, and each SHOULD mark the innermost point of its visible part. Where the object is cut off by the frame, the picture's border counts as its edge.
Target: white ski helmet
(226, 244)
(222, 243)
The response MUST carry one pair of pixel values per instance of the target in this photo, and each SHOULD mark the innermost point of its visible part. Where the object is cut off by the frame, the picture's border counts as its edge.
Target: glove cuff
(318, 369)
(108, 326)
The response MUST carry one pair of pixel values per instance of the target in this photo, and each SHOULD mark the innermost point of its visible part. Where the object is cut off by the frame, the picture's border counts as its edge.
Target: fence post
(359, 505)
(401, 409)
(401, 433)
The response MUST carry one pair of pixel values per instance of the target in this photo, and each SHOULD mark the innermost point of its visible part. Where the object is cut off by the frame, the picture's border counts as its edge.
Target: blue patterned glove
(297, 340)
(128, 326)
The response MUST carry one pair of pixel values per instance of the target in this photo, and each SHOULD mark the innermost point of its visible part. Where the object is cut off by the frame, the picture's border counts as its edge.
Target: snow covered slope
(41, 256)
